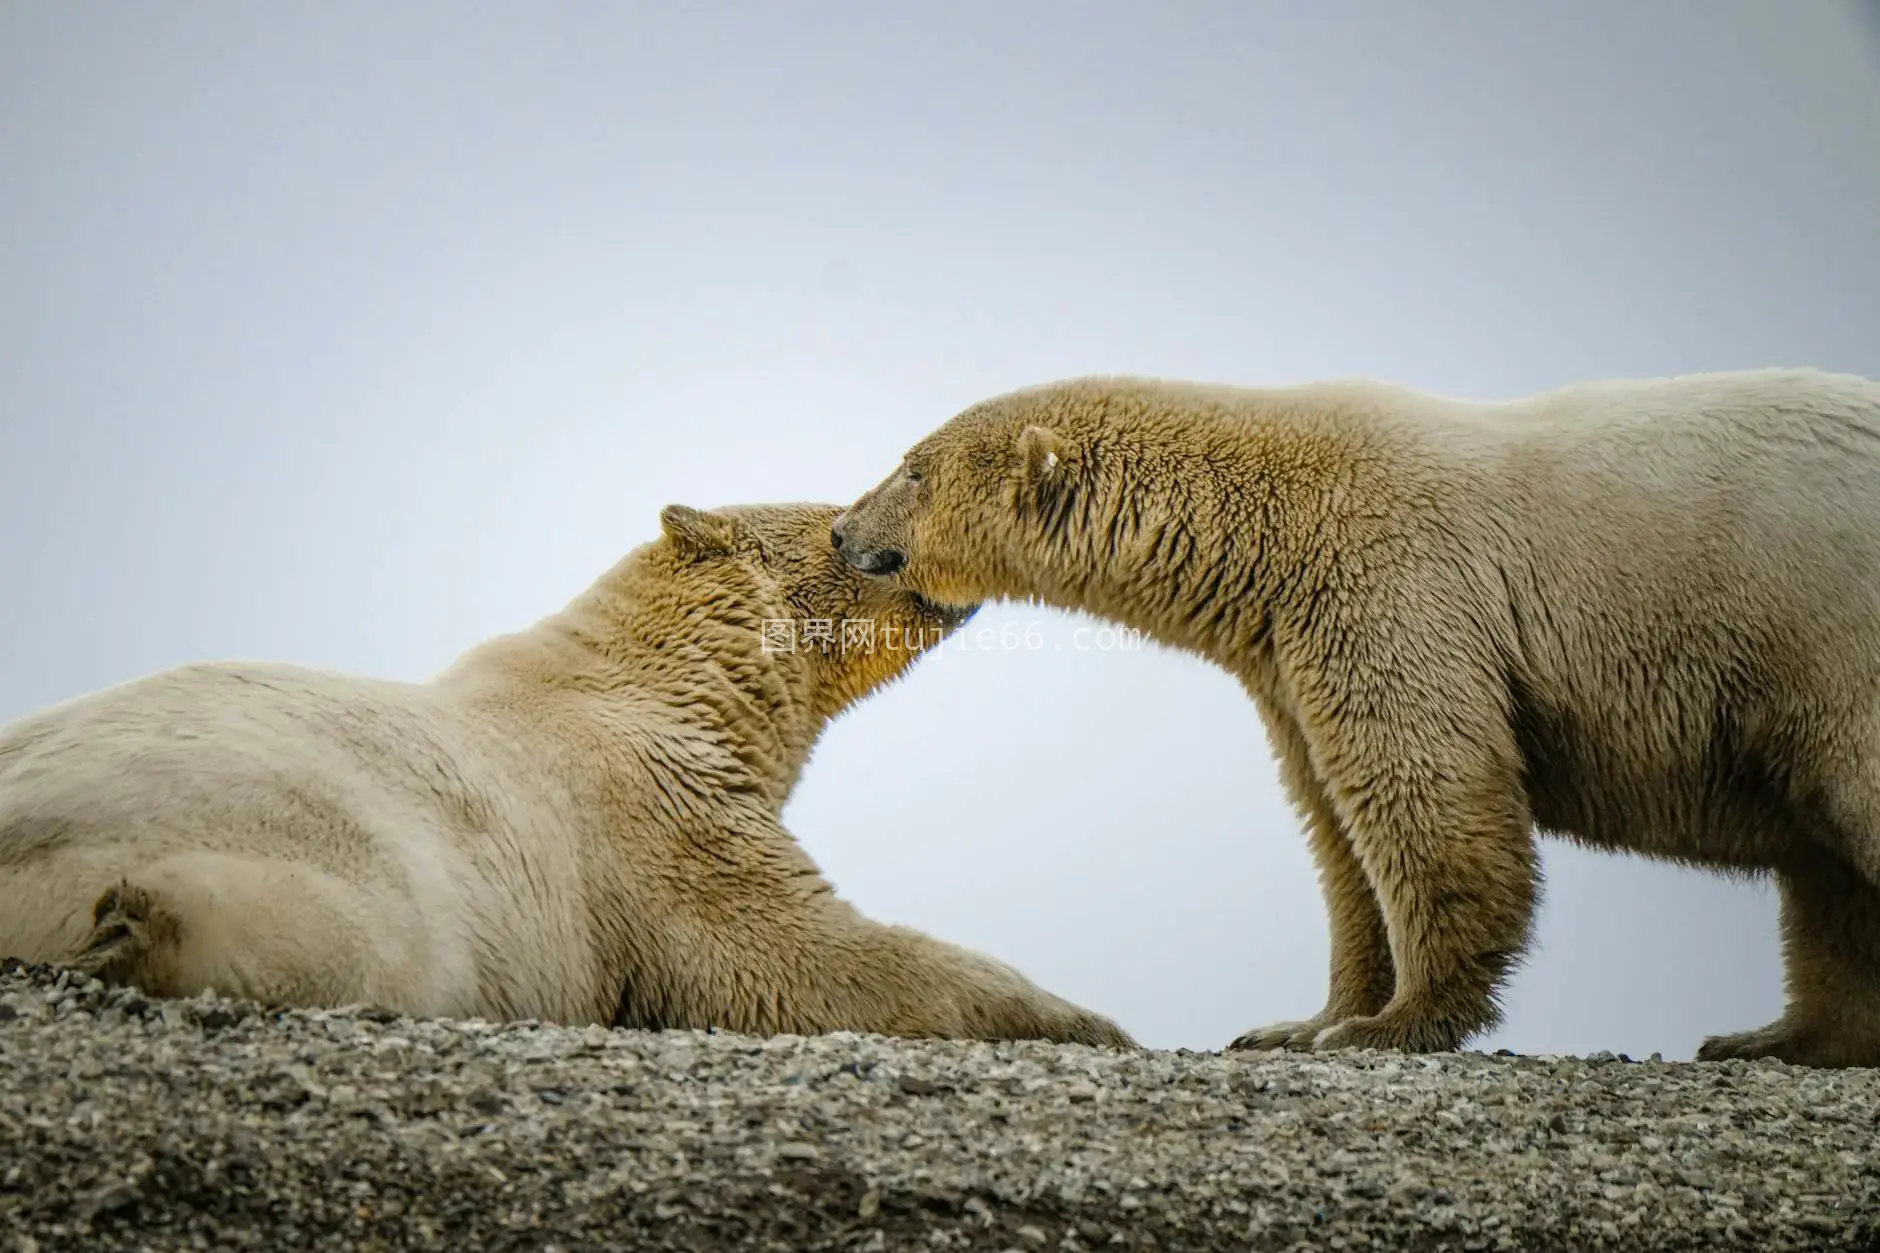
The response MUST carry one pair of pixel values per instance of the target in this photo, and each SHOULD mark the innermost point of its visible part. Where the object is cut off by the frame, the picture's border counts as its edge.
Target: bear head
(976, 510)
(771, 567)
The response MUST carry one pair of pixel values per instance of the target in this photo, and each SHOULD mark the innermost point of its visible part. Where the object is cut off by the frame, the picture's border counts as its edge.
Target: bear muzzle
(881, 561)
(876, 561)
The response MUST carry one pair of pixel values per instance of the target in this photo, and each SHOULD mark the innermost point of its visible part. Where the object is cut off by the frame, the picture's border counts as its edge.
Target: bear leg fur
(1831, 956)
(1362, 978)
(1428, 784)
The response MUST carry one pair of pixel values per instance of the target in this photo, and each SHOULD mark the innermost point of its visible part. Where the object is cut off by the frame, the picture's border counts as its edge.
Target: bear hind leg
(1831, 956)
(279, 933)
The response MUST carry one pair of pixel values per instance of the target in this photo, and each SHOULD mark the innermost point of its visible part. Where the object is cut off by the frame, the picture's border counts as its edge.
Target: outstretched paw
(1041, 1016)
(1096, 1030)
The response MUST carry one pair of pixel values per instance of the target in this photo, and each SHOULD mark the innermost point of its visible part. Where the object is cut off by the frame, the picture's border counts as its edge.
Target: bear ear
(1041, 454)
(695, 534)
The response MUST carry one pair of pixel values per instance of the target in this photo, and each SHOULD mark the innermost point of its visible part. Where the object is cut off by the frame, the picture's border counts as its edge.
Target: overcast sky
(350, 334)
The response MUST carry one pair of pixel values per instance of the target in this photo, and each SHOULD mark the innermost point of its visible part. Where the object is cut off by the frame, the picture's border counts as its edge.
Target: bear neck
(1179, 543)
(702, 664)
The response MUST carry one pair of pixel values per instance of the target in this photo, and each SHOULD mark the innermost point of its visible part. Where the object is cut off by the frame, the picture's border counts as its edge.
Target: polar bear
(578, 823)
(1644, 615)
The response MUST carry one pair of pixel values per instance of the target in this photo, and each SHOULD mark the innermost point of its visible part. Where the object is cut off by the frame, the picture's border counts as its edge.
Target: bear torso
(1677, 580)
(395, 785)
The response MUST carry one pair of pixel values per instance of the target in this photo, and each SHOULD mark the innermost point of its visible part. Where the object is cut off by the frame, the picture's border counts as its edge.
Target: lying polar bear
(578, 823)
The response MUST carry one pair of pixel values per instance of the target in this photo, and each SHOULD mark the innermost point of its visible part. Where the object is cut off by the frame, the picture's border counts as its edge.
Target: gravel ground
(134, 1124)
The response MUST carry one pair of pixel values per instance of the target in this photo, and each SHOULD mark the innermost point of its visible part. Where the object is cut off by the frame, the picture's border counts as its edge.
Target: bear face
(1091, 494)
(967, 516)
(853, 633)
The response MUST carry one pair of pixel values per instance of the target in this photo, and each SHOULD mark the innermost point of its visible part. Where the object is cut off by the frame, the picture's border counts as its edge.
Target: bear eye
(913, 475)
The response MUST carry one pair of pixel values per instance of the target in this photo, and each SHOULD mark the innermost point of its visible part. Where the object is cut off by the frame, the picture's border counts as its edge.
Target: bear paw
(1095, 1030)
(1396, 1032)
(1044, 1017)
(1784, 1041)
(1281, 1035)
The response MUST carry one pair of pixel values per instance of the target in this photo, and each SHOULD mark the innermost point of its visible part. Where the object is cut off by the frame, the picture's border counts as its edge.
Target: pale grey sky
(352, 333)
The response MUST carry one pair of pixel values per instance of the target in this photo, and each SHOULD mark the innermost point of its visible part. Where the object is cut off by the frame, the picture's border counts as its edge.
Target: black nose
(835, 537)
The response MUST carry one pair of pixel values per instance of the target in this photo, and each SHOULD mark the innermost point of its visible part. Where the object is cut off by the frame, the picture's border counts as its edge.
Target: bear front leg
(1831, 959)
(1362, 977)
(795, 958)
(1433, 801)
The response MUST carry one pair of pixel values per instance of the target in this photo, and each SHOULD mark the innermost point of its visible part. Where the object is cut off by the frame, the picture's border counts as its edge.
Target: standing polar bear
(579, 823)
(1641, 614)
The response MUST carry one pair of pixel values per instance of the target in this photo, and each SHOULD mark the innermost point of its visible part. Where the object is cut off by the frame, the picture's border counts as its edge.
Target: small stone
(217, 1019)
(107, 1200)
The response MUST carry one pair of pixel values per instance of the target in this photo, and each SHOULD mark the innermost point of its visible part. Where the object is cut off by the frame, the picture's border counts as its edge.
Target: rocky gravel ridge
(128, 1123)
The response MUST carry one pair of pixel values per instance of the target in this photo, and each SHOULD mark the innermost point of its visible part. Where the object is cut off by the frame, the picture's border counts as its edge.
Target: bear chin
(950, 617)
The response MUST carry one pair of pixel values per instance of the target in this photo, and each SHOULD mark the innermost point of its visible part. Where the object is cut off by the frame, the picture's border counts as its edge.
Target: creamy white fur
(577, 823)
(1642, 613)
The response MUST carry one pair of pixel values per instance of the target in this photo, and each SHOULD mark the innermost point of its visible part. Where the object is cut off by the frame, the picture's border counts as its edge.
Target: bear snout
(881, 561)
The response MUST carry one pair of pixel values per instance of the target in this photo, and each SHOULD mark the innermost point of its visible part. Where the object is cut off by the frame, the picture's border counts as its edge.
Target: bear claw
(1778, 1041)
(1296, 1036)
(1388, 1032)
